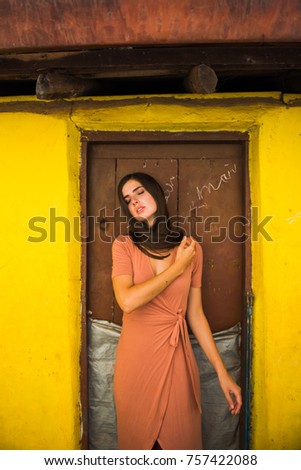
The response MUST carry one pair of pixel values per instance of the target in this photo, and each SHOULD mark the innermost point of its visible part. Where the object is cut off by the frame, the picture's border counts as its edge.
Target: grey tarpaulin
(220, 428)
(103, 339)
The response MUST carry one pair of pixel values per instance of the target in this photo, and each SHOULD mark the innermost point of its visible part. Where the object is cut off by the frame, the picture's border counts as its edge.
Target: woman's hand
(185, 253)
(232, 392)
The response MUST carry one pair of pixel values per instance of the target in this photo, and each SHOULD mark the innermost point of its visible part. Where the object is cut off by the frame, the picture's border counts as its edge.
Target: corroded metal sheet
(211, 193)
(66, 24)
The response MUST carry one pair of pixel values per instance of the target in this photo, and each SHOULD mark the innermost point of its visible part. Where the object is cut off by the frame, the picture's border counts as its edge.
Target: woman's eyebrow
(138, 187)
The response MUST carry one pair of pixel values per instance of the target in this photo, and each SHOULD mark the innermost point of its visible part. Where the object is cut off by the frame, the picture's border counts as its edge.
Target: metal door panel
(101, 205)
(188, 147)
(210, 197)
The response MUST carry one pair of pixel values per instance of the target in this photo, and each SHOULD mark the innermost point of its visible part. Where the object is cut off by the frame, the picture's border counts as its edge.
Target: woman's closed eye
(127, 201)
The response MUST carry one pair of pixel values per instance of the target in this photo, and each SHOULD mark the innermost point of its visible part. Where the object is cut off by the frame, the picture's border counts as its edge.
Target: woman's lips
(140, 209)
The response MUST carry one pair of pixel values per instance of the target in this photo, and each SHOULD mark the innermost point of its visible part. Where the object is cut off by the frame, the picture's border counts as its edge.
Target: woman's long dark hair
(162, 235)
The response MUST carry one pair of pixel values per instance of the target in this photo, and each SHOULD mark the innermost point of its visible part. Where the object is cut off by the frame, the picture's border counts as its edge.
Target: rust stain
(67, 24)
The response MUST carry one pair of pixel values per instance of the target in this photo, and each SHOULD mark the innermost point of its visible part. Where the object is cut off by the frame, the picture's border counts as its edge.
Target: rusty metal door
(205, 182)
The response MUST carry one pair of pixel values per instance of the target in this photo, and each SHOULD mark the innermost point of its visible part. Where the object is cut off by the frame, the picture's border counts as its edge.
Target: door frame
(92, 137)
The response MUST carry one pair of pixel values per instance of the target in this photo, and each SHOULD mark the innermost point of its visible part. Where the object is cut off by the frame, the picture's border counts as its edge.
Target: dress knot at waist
(178, 327)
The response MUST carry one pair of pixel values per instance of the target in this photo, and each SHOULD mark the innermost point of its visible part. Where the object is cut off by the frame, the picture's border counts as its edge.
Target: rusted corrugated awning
(66, 24)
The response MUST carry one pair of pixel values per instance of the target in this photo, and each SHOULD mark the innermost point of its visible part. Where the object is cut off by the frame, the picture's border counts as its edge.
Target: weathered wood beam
(54, 85)
(201, 79)
(155, 61)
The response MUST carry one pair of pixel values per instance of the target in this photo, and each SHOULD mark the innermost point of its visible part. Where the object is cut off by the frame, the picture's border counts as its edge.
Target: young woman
(156, 276)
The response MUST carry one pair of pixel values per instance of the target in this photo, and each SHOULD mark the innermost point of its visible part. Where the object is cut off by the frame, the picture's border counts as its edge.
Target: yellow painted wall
(40, 282)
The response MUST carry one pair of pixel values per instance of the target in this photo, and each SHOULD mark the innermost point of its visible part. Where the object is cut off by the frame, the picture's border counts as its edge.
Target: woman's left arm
(201, 330)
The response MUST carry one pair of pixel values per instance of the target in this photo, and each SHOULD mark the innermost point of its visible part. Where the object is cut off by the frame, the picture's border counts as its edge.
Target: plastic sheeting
(220, 428)
(103, 340)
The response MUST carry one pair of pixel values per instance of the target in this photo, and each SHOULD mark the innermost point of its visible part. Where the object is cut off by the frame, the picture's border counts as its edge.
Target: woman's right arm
(130, 296)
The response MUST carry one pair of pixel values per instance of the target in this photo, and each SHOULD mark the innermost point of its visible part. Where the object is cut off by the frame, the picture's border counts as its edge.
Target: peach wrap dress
(156, 380)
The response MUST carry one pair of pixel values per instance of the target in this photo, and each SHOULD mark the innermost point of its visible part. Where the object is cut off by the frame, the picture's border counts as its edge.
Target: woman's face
(140, 202)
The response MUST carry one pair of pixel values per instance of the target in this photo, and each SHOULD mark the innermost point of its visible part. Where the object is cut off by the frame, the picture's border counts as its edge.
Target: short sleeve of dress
(196, 275)
(121, 258)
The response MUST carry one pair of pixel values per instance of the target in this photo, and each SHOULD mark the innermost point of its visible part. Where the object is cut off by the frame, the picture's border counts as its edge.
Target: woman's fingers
(182, 244)
(231, 403)
(186, 252)
(188, 242)
(235, 402)
(232, 393)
